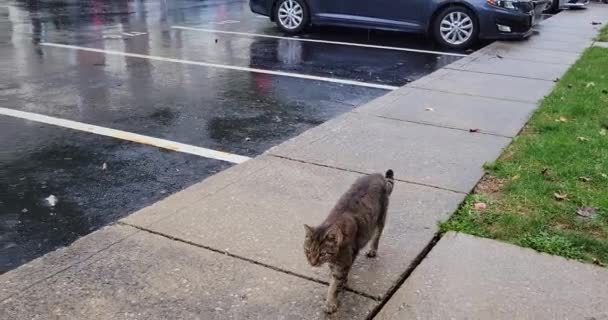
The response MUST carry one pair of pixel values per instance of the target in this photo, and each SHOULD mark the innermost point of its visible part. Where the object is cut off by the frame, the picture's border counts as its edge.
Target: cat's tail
(390, 180)
(390, 174)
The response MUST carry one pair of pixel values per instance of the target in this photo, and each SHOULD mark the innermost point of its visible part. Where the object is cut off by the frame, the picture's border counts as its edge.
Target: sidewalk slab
(440, 157)
(450, 110)
(511, 50)
(147, 276)
(466, 277)
(561, 46)
(261, 218)
(54, 262)
(485, 85)
(510, 67)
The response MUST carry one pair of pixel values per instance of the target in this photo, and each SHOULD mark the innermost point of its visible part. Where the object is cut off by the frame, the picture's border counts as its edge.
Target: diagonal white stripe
(124, 135)
(214, 65)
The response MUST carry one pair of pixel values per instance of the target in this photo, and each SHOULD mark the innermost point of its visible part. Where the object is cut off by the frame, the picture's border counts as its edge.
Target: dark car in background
(455, 24)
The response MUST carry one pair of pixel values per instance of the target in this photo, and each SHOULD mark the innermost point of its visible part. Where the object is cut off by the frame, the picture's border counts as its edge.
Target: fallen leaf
(560, 196)
(499, 56)
(515, 177)
(556, 80)
(598, 262)
(24, 210)
(603, 132)
(473, 130)
(247, 139)
(479, 206)
(547, 174)
(586, 212)
(595, 23)
(582, 139)
(430, 109)
(52, 200)
(562, 119)
(104, 166)
(584, 179)
(605, 176)
(215, 40)
(590, 84)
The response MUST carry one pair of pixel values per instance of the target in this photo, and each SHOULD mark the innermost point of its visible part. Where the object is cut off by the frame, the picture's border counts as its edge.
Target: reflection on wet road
(97, 179)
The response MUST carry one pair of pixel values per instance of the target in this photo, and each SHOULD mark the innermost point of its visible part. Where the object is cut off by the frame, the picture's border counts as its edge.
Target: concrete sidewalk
(230, 247)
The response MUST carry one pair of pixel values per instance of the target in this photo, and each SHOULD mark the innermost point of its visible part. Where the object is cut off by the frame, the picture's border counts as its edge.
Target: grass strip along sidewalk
(549, 189)
(603, 35)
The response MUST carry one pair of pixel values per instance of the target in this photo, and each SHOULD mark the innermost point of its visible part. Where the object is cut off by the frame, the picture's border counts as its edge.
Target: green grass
(563, 150)
(603, 34)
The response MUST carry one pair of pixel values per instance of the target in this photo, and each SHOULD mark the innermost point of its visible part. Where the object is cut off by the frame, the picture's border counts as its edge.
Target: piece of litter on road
(499, 56)
(430, 109)
(104, 166)
(473, 130)
(595, 23)
(24, 210)
(52, 200)
(586, 212)
(247, 139)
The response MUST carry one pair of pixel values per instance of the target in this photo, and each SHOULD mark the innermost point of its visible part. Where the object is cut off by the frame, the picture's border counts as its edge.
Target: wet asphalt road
(239, 112)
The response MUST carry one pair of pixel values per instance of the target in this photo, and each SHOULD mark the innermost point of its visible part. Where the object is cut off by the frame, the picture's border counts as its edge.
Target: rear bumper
(573, 3)
(520, 24)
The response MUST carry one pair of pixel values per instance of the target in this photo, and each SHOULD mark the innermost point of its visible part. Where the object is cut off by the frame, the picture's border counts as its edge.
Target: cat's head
(321, 245)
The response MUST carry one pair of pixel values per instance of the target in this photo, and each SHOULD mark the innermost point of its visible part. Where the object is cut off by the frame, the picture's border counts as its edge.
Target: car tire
(457, 37)
(291, 16)
(553, 7)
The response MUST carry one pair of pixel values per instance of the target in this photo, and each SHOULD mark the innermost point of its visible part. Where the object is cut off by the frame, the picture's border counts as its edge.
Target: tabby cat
(358, 217)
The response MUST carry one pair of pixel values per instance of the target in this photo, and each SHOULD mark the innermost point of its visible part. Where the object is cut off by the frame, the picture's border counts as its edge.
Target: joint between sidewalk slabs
(364, 173)
(71, 265)
(160, 234)
(497, 74)
(433, 125)
(406, 274)
(414, 86)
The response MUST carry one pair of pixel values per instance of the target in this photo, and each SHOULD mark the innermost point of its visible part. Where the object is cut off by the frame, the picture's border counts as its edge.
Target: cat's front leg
(339, 274)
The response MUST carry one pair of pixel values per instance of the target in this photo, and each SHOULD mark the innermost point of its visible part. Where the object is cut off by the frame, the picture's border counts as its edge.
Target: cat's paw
(330, 307)
(371, 254)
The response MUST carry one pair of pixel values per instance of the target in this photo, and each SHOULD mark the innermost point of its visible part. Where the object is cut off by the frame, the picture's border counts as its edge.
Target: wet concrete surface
(240, 112)
(38, 161)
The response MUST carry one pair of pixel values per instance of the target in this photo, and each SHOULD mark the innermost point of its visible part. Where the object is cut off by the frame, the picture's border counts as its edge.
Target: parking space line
(124, 135)
(222, 66)
(321, 41)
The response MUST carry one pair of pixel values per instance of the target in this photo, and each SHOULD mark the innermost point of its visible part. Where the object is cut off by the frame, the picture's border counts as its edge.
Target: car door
(401, 14)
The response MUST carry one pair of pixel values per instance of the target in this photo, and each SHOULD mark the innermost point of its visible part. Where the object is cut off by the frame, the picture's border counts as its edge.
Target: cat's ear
(334, 235)
(309, 230)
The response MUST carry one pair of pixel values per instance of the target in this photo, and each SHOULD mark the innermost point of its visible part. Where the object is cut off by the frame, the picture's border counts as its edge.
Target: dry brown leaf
(598, 262)
(586, 212)
(562, 119)
(479, 206)
(473, 130)
(560, 196)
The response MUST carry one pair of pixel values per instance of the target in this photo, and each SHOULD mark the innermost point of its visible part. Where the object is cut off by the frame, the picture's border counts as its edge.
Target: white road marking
(214, 65)
(321, 41)
(124, 135)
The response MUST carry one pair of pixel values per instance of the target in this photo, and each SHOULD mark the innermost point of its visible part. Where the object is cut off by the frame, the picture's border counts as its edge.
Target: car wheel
(553, 7)
(456, 28)
(291, 16)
